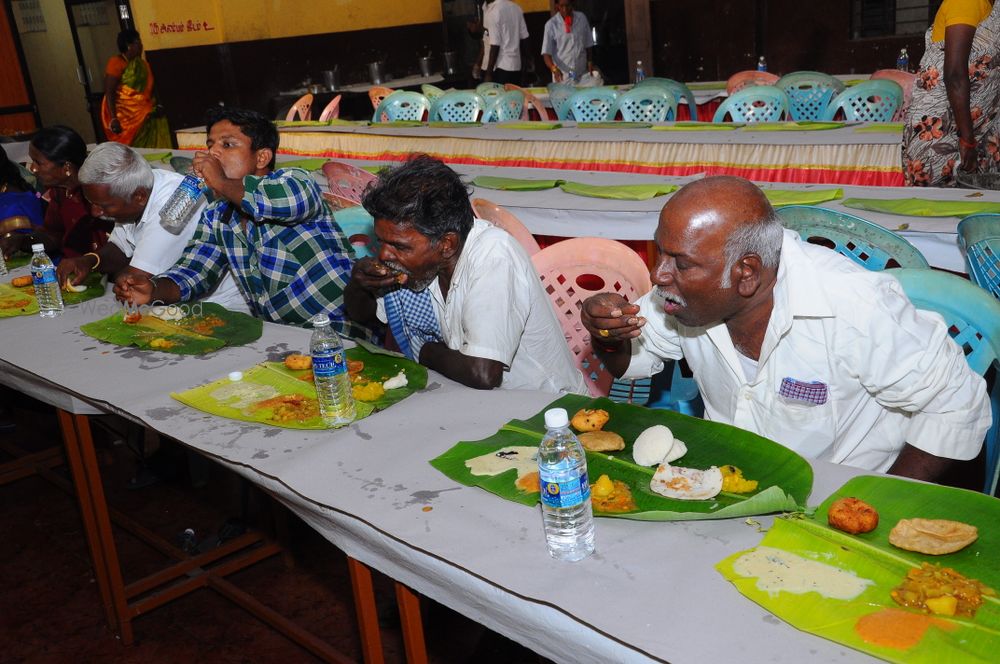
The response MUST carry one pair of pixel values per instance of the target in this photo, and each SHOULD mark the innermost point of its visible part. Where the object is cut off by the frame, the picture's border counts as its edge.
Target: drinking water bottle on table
(640, 72)
(3, 263)
(903, 60)
(43, 276)
(762, 64)
(179, 208)
(562, 473)
(329, 365)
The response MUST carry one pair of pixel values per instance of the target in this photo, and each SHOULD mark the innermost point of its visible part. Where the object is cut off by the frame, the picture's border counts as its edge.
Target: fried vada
(590, 419)
(852, 515)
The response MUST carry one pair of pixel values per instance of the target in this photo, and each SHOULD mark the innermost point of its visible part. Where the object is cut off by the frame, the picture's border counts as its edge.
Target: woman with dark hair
(129, 111)
(20, 206)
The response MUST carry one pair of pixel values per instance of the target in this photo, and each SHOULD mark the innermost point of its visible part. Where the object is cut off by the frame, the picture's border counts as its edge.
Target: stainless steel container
(450, 60)
(426, 63)
(376, 71)
(331, 78)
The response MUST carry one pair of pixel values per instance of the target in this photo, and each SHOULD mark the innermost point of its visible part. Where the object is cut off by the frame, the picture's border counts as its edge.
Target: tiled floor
(50, 608)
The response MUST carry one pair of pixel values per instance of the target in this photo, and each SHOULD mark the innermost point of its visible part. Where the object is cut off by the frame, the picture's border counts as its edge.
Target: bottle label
(327, 364)
(43, 275)
(191, 186)
(570, 493)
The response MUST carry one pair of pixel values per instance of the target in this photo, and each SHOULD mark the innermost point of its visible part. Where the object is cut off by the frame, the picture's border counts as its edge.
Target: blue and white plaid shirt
(291, 261)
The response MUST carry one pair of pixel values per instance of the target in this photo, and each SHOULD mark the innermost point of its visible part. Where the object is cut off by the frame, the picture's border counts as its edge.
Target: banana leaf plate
(22, 301)
(286, 383)
(871, 557)
(207, 327)
(785, 478)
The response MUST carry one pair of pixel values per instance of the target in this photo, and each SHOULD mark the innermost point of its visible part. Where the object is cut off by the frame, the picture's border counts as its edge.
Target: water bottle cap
(35, 248)
(556, 418)
(235, 376)
(320, 320)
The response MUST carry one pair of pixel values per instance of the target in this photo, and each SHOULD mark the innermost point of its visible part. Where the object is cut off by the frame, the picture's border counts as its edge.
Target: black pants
(504, 76)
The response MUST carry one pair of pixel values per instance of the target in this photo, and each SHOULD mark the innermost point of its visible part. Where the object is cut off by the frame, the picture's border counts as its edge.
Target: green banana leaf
(614, 125)
(308, 164)
(870, 556)
(529, 125)
(441, 124)
(708, 85)
(340, 122)
(779, 197)
(187, 336)
(918, 207)
(18, 260)
(514, 184)
(699, 126)
(157, 156)
(287, 382)
(400, 123)
(880, 128)
(301, 123)
(785, 477)
(801, 125)
(10, 295)
(621, 192)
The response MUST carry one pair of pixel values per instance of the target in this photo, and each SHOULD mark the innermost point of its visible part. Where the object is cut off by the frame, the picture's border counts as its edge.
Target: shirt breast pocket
(805, 426)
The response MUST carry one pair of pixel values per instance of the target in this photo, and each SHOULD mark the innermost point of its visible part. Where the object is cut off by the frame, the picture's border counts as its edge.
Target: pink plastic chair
(498, 216)
(377, 94)
(905, 80)
(573, 270)
(530, 102)
(742, 79)
(347, 184)
(332, 110)
(302, 107)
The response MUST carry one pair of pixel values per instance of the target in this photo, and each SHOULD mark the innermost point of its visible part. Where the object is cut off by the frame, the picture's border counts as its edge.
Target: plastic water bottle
(572, 77)
(761, 64)
(562, 472)
(3, 264)
(903, 60)
(179, 208)
(329, 365)
(640, 73)
(47, 291)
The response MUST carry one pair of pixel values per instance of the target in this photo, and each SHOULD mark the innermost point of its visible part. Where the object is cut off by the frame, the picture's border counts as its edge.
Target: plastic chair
(402, 105)
(302, 107)
(359, 229)
(559, 94)
(758, 103)
(809, 93)
(457, 106)
(506, 107)
(181, 165)
(973, 320)
(488, 90)
(649, 103)
(332, 110)
(905, 80)
(675, 88)
(868, 101)
(573, 270)
(530, 101)
(347, 183)
(432, 92)
(742, 79)
(499, 216)
(979, 237)
(867, 244)
(377, 94)
(590, 105)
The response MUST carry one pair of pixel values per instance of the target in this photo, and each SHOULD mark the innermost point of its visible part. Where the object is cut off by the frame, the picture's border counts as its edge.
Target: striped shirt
(290, 261)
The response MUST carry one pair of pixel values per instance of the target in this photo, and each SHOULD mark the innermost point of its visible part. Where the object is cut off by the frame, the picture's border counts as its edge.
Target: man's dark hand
(131, 288)
(375, 277)
(610, 318)
(75, 269)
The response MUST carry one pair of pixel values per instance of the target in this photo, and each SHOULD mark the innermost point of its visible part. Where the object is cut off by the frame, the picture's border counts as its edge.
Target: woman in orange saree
(129, 110)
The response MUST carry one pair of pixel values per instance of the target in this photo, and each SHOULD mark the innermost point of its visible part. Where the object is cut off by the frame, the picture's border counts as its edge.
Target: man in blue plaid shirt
(270, 228)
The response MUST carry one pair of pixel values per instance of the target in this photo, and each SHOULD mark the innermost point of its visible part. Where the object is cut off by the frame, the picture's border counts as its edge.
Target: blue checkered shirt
(290, 263)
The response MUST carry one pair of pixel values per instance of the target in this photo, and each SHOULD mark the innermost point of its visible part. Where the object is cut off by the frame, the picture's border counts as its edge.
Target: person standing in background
(504, 32)
(129, 112)
(567, 44)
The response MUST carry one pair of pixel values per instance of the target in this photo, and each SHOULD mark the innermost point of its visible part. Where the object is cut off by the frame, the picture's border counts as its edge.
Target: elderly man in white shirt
(121, 186)
(793, 341)
(504, 30)
(459, 294)
(567, 44)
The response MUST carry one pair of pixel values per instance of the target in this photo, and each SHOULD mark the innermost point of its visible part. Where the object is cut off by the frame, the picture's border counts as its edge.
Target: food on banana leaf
(21, 282)
(590, 419)
(523, 458)
(206, 324)
(777, 570)
(601, 441)
(686, 483)
(16, 303)
(241, 395)
(169, 312)
(161, 343)
(396, 382)
(289, 407)
(896, 628)
(611, 496)
(355, 366)
(657, 445)
(932, 536)
(530, 483)
(941, 591)
(132, 317)
(852, 516)
(298, 362)
(68, 286)
(372, 391)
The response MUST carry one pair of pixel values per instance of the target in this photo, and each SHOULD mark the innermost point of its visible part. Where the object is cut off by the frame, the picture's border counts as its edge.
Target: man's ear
(140, 196)
(449, 244)
(264, 157)
(748, 274)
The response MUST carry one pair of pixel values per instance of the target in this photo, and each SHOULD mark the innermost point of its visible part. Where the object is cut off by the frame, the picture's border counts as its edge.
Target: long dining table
(650, 593)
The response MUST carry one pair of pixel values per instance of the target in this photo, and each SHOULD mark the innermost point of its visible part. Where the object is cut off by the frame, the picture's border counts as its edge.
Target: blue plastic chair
(973, 319)
(675, 88)
(757, 103)
(457, 106)
(809, 93)
(868, 101)
(432, 92)
(650, 103)
(506, 107)
(674, 390)
(559, 94)
(979, 237)
(489, 90)
(590, 105)
(401, 105)
(359, 229)
(867, 244)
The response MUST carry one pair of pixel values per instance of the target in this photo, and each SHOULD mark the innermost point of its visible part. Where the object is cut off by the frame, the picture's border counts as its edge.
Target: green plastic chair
(590, 105)
(809, 93)
(675, 88)
(457, 106)
(432, 92)
(757, 103)
(489, 90)
(508, 106)
(401, 105)
(867, 244)
(359, 228)
(868, 101)
(973, 319)
(649, 103)
(559, 94)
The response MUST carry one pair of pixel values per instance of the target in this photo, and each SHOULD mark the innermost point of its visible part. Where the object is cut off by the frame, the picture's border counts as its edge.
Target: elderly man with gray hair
(122, 187)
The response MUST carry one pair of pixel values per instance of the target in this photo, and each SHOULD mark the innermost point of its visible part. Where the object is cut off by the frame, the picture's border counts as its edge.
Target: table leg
(364, 605)
(413, 628)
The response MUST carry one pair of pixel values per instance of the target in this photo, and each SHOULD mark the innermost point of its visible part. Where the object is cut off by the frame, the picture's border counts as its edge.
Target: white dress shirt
(893, 373)
(505, 27)
(568, 50)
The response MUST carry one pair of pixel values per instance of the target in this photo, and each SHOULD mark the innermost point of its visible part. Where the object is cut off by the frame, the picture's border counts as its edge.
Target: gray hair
(761, 237)
(119, 167)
